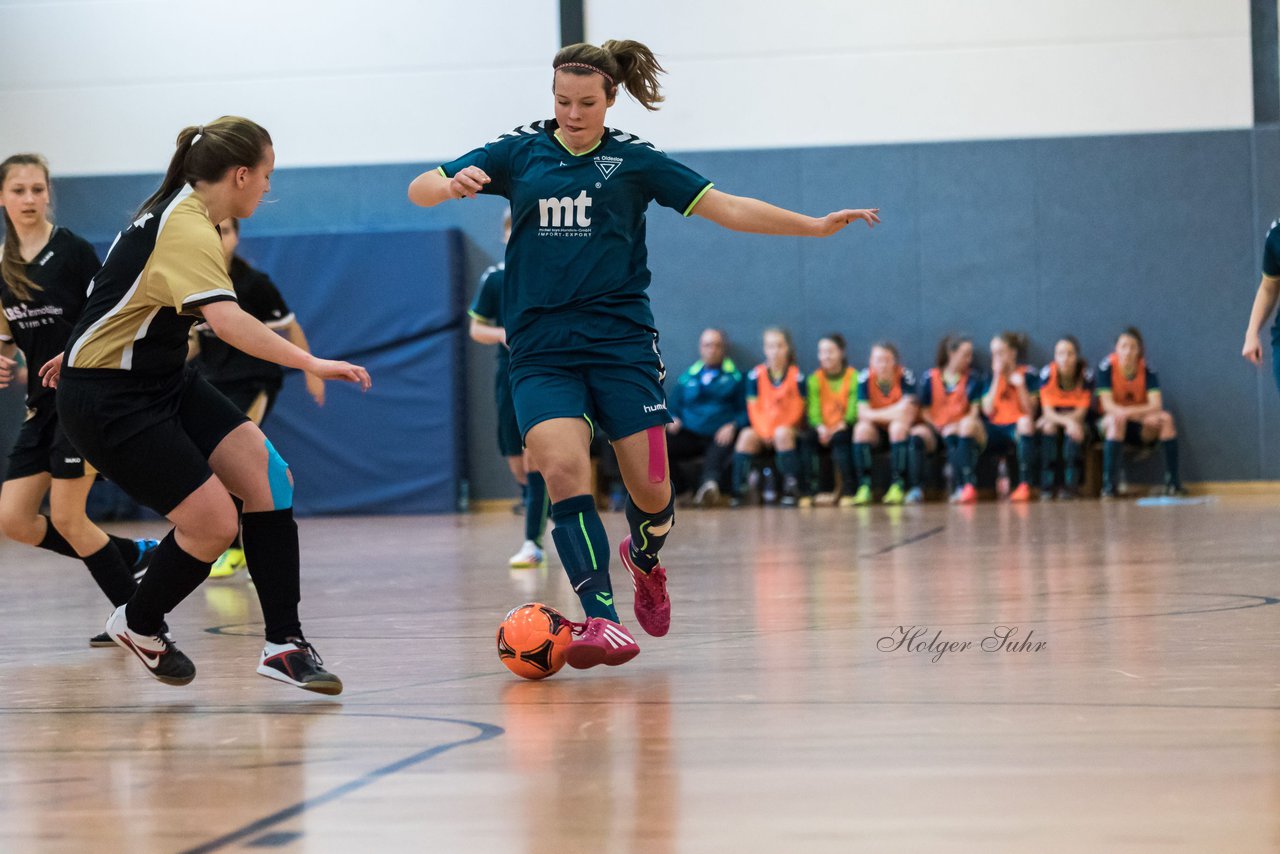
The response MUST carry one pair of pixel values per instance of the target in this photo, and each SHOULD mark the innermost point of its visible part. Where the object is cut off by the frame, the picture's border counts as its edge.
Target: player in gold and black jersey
(142, 416)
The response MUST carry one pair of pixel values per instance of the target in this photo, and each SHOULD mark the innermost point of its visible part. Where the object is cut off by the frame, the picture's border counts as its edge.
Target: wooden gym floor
(782, 713)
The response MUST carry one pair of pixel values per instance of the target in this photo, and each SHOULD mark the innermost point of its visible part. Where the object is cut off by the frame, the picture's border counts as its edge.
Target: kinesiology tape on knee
(278, 479)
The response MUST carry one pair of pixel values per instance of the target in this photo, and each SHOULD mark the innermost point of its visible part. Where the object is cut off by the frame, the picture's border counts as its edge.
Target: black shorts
(42, 447)
(151, 435)
(509, 443)
(245, 393)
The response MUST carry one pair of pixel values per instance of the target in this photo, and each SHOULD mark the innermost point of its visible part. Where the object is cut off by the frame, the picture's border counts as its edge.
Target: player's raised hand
(330, 369)
(835, 221)
(468, 182)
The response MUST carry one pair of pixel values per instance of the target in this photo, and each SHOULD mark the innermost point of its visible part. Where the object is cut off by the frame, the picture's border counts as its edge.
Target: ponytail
(12, 268)
(206, 152)
(623, 62)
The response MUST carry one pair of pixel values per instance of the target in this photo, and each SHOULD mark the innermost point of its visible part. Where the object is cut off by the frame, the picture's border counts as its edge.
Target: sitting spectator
(1009, 408)
(949, 415)
(833, 409)
(1133, 412)
(709, 405)
(1066, 395)
(776, 411)
(886, 410)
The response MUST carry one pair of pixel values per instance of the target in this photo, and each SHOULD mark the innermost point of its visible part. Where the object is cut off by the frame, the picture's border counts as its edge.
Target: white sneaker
(157, 653)
(298, 664)
(529, 557)
(708, 495)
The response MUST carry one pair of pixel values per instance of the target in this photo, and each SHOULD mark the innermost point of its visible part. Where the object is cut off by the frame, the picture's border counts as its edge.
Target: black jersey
(223, 364)
(41, 325)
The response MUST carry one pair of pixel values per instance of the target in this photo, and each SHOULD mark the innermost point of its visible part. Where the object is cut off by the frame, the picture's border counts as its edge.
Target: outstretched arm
(743, 213)
(431, 188)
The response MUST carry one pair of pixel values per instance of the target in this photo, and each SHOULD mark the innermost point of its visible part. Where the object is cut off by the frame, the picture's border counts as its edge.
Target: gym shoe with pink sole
(600, 641)
(652, 605)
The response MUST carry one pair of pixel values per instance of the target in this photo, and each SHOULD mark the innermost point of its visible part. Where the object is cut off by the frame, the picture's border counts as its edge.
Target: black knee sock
(113, 576)
(1170, 448)
(789, 464)
(1070, 461)
(915, 460)
(173, 575)
(966, 453)
(239, 540)
(128, 549)
(1048, 456)
(741, 469)
(1110, 463)
(271, 556)
(1026, 458)
(55, 542)
(583, 547)
(535, 509)
(898, 456)
(649, 531)
(862, 460)
(842, 454)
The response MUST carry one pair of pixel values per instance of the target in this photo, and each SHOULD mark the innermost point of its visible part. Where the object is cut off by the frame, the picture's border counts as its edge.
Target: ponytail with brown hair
(206, 152)
(12, 268)
(620, 62)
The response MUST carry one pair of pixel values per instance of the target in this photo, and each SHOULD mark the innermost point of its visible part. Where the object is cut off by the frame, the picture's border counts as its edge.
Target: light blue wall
(1081, 235)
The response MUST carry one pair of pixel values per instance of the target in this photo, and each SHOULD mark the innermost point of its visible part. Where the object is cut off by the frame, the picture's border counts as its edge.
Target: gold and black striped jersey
(143, 301)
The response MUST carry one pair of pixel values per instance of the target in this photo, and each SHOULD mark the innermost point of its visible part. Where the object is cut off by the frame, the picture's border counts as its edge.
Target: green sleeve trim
(440, 169)
(696, 199)
(487, 321)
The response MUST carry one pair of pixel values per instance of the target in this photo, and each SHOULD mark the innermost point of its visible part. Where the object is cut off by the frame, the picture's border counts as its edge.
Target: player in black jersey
(44, 274)
(250, 383)
(145, 419)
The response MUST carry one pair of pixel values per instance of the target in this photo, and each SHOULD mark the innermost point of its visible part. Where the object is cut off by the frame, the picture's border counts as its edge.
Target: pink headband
(584, 65)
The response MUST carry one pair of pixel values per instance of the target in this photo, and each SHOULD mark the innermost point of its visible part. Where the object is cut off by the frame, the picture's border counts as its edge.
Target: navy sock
(898, 456)
(741, 469)
(915, 460)
(55, 542)
(649, 531)
(112, 574)
(583, 547)
(271, 555)
(1110, 463)
(1170, 448)
(1026, 458)
(1070, 461)
(172, 577)
(535, 509)
(862, 460)
(1048, 456)
(789, 464)
(842, 454)
(966, 452)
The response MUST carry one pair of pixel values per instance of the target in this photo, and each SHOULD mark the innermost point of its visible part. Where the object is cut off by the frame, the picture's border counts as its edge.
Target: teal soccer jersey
(487, 307)
(576, 261)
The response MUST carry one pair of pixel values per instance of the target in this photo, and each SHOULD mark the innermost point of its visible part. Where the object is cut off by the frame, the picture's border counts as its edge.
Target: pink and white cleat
(653, 606)
(600, 641)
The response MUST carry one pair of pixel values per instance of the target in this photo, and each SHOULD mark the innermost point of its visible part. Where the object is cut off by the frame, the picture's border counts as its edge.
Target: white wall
(103, 86)
(763, 74)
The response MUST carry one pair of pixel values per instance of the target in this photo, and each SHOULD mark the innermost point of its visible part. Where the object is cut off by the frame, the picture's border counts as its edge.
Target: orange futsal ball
(532, 640)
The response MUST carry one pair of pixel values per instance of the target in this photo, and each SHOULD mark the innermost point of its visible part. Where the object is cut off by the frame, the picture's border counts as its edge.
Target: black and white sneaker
(146, 549)
(101, 639)
(298, 664)
(157, 653)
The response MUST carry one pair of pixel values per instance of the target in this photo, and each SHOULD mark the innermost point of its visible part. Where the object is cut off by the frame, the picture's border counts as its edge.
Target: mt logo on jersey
(565, 217)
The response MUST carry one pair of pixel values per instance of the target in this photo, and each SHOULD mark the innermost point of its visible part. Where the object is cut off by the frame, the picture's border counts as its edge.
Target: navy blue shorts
(619, 388)
(509, 443)
(1001, 438)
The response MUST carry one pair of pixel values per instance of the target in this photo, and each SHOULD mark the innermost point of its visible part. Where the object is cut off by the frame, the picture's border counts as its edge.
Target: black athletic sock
(55, 542)
(898, 456)
(172, 577)
(1048, 456)
(271, 556)
(915, 461)
(842, 454)
(583, 547)
(535, 509)
(1110, 463)
(128, 549)
(112, 574)
(1170, 448)
(862, 460)
(1070, 461)
(967, 453)
(1026, 458)
(789, 464)
(741, 470)
(238, 543)
(649, 531)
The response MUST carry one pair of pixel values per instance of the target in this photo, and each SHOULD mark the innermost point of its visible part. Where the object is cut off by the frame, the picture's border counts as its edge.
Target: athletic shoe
(790, 492)
(1068, 493)
(708, 495)
(652, 605)
(967, 494)
(737, 501)
(1108, 493)
(1047, 494)
(1175, 490)
(146, 550)
(529, 557)
(894, 495)
(600, 641)
(848, 501)
(915, 495)
(298, 664)
(226, 566)
(804, 501)
(863, 496)
(157, 653)
(1022, 493)
(101, 639)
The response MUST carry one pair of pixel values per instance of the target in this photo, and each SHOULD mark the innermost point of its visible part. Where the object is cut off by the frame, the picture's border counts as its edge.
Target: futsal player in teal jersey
(578, 321)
